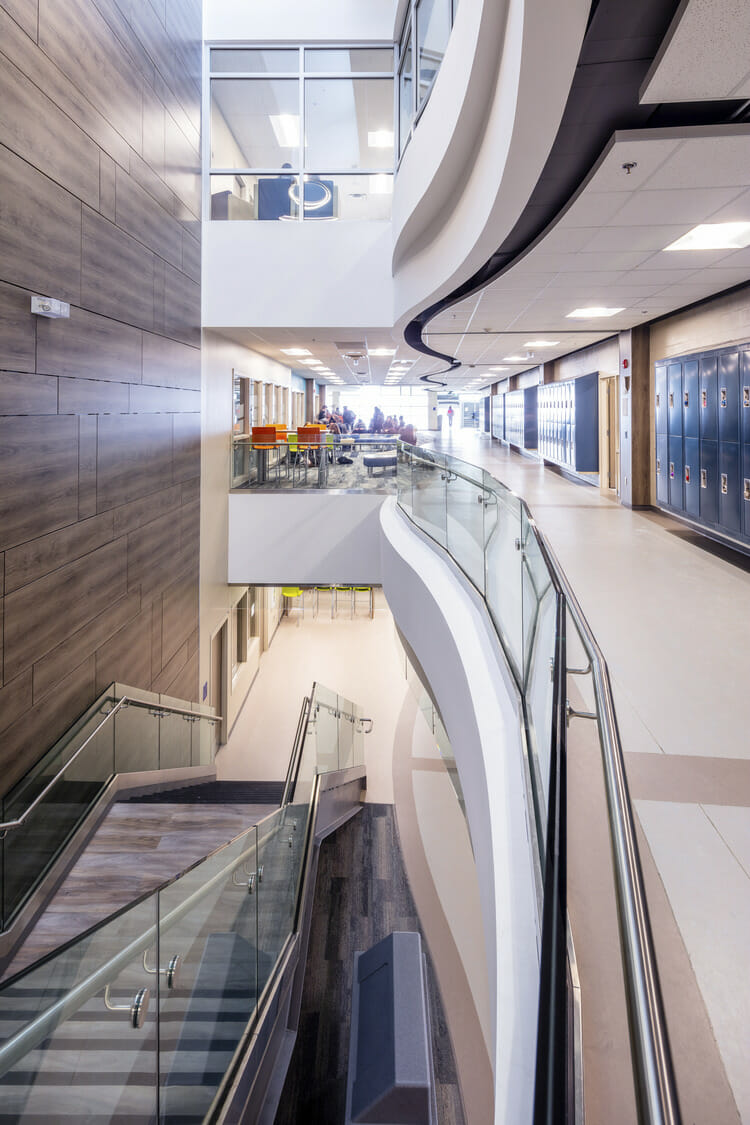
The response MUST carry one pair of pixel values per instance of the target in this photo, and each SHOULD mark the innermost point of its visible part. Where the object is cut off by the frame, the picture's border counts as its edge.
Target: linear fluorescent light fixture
(714, 236)
(311, 362)
(501, 368)
(593, 312)
(515, 358)
(380, 138)
(296, 351)
(381, 351)
(286, 128)
(541, 343)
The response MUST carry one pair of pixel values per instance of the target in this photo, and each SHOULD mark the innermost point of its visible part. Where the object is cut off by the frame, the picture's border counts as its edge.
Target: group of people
(347, 422)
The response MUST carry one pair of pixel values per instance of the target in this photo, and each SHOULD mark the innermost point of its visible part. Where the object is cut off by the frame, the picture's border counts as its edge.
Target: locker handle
(658, 399)
(723, 396)
(671, 470)
(704, 479)
(671, 398)
(687, 474)
(746, 396)
(747, 489)
(704, 398)
(686, 397)
(658, 467)
(724, 484)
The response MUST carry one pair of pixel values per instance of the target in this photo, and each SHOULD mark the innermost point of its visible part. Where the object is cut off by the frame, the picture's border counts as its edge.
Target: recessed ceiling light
(594, 311)
(286, 128)
(515, 358)
(541, 343)
(296, 351)
(497, 368)
(380, 138)
(714, 236)
(381, 351)
(311, 362)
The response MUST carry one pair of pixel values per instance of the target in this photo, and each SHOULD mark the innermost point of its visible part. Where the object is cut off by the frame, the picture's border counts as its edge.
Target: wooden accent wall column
(100, 423)
(635, 418)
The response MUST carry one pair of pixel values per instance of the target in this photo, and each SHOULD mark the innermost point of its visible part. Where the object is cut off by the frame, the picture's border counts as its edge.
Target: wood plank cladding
(99, 413)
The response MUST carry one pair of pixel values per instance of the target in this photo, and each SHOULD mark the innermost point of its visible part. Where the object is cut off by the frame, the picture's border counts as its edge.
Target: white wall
(451, 635)
(309, 21)
(305, 538)
(298, 275)
(217, 598)
(482, 141)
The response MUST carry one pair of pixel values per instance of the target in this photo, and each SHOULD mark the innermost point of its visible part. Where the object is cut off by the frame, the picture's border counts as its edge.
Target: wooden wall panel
(39, 459)
(40, 231)
(99, 413)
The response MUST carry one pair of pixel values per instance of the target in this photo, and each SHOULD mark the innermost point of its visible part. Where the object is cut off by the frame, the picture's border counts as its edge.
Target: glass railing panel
(466, 503)
(540, 637)
(176, 740)
(209, 982)
(503, 574)
(346, 733)
(429, 494)
(81, 1057)
(30, 849)
(404, 483)
(324, 724)
(136, 738)
(281, 851)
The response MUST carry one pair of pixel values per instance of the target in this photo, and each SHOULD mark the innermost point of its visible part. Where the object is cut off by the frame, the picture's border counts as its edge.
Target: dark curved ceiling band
(619, 46)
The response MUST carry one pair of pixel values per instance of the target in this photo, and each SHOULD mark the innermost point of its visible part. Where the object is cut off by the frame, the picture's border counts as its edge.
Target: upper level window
(301, 133)
(426, 29)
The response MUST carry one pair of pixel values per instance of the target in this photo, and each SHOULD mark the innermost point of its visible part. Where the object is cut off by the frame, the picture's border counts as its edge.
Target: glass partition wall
(301, 133)
(424, 38)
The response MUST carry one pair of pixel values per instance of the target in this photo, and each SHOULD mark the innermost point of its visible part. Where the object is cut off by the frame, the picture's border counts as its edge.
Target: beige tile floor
(672, 616)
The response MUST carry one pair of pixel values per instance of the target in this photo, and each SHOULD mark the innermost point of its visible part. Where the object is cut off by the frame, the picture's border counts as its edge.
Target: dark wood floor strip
(361, 895)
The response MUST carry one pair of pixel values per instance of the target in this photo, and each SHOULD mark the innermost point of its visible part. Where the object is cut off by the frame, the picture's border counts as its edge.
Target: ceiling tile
(675, 206)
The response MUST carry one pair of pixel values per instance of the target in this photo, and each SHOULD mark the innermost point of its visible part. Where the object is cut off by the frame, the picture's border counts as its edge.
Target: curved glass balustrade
(561, 676)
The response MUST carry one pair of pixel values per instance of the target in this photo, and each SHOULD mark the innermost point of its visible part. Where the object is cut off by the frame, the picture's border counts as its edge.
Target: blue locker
(662, 468)
(691, 476)
(690, 397)
(661, 400)
(746, 491)
(674, 399)
(674, 473)
(709, 399)
(729, 397)
(730, 515)
(745, 396)
(709, 482)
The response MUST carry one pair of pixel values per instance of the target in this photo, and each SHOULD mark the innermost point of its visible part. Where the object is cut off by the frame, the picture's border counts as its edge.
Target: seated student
(408, 434)
(359, 427)
(323, 414)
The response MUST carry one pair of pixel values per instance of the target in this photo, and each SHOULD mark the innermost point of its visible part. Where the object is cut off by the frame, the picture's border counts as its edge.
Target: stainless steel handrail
(654, 1074)
(126, 701)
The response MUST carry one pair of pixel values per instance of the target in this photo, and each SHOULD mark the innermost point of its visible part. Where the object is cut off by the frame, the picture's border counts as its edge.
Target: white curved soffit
(482, 141)
(449, 631)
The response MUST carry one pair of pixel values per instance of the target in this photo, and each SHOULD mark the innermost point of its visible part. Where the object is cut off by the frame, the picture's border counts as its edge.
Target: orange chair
(264, 440)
